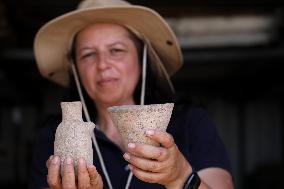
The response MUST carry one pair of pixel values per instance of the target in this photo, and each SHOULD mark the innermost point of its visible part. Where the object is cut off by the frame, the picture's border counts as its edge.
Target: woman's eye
(116, 51)
(87, 55)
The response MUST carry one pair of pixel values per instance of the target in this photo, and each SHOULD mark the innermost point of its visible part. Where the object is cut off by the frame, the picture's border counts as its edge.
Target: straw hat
(53, 41)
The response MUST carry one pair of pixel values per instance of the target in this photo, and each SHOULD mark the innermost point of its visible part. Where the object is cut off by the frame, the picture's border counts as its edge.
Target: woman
(107, 47)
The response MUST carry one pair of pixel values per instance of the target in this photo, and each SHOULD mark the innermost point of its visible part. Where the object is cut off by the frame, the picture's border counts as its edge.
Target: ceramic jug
(73, 136)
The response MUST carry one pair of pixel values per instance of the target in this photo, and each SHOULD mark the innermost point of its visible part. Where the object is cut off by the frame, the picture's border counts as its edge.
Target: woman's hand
(164, 165)
(88, 177)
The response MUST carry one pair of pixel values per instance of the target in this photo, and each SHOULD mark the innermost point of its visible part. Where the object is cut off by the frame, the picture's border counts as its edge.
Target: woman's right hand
(88, 177)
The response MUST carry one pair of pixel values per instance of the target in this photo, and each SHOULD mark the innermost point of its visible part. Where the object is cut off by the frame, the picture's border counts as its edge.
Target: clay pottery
(132, 121)
(73, 136)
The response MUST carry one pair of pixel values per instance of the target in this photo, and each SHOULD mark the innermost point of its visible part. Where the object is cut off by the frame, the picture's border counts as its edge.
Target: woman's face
(107, 60)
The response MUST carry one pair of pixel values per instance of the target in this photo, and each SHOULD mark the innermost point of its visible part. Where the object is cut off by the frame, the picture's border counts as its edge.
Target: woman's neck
(104, 119)
(103, 115)
(106, 125)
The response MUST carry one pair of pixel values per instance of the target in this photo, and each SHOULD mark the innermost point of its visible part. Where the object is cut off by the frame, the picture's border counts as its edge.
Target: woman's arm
(166, 165)
(215, 178)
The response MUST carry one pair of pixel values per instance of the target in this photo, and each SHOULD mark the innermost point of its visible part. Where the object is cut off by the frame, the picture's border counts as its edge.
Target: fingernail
(50, 157)
(130, 167)
(68, 160)
(126, 156)
(150, 132)
(131, 145)
(81, 161)
(55, 160)
(91, 167)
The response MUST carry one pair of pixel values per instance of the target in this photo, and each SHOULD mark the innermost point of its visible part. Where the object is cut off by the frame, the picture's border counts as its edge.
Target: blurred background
(233, 66)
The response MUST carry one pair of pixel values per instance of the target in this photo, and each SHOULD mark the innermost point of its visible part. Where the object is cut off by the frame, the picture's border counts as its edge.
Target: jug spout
(71, 110)
(91, 126)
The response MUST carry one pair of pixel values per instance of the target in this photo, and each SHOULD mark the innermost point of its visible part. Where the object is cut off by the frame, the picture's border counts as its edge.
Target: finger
(164, 138)
(47, 163)
(53, 177)
(145, 176)
(148, 151)
(95, 177)
(144, 164)
(83, 174)
(68, 178)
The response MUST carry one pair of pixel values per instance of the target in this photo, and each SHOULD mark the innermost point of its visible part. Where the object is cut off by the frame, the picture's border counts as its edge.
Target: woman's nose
(103, 61)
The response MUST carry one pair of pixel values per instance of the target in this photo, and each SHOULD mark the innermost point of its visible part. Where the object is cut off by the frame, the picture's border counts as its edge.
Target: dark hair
(157, 90)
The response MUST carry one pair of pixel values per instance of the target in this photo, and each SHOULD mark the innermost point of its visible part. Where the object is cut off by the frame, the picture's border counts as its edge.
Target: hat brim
(53, 41)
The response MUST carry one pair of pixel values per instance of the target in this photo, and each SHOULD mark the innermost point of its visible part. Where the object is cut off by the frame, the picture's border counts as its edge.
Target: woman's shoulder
(185, 108)
(189, 117)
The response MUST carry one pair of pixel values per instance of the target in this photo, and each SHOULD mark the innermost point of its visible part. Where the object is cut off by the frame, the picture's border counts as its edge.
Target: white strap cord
(80, 93)
(162, 68)
(142, 98)
(89, 120)
(144, 65)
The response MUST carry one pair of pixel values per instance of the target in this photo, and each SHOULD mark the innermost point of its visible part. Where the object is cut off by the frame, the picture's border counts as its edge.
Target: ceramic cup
(132, 121)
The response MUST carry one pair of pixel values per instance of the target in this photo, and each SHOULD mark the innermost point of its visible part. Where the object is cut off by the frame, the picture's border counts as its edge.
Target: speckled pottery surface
(73, 137)
(133, 121)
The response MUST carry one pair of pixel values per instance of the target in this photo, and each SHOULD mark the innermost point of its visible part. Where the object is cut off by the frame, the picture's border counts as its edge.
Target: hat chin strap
(142, 97)
(144, 66)
(85, 110)
(89, 120)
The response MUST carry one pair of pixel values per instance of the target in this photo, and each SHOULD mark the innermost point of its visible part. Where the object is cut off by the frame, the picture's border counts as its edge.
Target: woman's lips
(106, 81)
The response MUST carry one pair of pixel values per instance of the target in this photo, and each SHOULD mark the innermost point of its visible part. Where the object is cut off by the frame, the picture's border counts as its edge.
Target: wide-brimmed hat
(54, 40)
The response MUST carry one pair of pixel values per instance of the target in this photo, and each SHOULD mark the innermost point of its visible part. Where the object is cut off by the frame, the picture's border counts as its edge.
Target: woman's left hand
(165, 165)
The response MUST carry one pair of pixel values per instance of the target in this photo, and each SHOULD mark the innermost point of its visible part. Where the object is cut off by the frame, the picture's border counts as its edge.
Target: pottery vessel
(132, 121)
(73, 136)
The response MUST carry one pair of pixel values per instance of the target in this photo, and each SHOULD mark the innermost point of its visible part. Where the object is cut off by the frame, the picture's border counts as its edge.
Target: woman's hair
(157, 90)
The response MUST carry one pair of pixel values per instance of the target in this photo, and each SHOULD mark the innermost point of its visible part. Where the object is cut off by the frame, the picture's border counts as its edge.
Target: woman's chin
(114, 101)
(110, 101)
